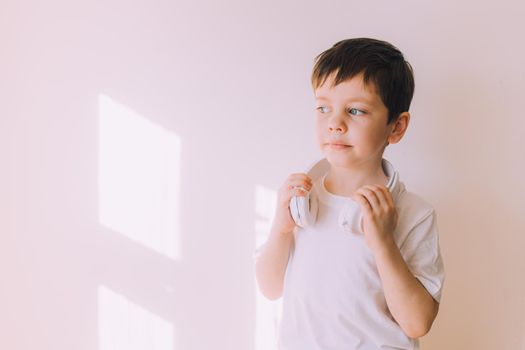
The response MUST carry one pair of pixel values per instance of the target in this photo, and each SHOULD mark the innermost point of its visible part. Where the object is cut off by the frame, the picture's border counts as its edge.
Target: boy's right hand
(283, 221)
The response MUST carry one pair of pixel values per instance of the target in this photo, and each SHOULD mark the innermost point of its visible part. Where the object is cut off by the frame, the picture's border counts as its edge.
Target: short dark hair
(381, 62)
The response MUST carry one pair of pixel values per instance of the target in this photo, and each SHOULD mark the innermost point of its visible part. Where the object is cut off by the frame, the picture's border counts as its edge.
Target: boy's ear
(399, 128)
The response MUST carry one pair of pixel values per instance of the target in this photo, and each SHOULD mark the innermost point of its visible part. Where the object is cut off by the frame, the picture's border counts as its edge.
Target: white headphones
(304, 209)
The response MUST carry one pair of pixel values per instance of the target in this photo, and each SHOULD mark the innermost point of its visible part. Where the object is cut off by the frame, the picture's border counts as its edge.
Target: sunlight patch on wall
(123, 325)
(268, 312)
(139, 178)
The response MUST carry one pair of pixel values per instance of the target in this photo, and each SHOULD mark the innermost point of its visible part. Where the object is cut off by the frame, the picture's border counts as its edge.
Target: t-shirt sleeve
(422, 254)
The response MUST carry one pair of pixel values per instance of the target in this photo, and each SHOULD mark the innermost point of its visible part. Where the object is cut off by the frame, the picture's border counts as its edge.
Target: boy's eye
(355, 111)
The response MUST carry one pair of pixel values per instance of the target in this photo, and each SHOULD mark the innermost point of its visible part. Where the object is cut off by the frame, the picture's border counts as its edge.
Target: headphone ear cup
(311, 216)
(304, 209)
(294, 210)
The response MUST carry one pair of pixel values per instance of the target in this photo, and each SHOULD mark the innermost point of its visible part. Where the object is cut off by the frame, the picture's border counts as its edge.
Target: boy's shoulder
(416, 233)
(412, 208)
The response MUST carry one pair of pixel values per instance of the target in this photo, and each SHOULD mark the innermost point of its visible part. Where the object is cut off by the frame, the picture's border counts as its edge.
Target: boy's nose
(338, 129)
(337, 123)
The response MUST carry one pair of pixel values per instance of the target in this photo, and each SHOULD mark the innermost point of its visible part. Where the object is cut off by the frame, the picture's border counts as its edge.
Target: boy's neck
(344, 181)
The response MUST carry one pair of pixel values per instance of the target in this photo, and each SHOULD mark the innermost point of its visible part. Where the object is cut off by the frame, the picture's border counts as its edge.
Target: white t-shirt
(333, 297)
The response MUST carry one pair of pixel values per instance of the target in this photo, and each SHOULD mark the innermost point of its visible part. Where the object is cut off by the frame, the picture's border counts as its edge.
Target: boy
(375, 289)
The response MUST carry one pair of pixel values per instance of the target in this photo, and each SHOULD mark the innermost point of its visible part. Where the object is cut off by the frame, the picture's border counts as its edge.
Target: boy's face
(353, 115)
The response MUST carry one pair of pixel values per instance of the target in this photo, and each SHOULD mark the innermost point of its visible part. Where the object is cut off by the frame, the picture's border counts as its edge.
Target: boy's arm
(409, 302)
(271, 262)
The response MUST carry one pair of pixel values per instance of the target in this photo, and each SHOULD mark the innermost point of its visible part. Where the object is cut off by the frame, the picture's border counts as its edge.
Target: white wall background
(136, 139)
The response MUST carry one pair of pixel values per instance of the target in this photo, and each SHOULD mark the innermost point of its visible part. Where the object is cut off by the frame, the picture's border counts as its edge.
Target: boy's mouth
(337, 146)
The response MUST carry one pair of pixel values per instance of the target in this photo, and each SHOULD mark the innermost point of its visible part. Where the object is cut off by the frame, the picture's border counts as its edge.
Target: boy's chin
(338, 160)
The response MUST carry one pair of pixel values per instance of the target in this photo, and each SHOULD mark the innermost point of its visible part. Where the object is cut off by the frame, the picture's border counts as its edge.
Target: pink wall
(134, 137)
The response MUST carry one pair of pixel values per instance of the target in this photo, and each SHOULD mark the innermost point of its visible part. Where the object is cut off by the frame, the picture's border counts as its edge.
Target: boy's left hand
(379, 214)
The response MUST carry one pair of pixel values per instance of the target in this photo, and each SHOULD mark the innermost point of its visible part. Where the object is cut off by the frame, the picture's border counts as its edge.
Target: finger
(300, 183)
(300, 187)
(370, 196)
(388, 196)
(381, 196)
(301, 176)
(299, 179)
(299, 191)
(295, 192)
(363, 201)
